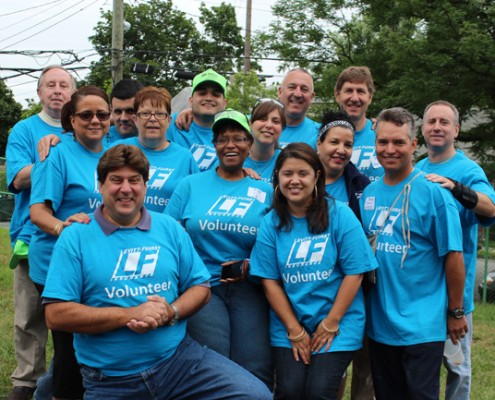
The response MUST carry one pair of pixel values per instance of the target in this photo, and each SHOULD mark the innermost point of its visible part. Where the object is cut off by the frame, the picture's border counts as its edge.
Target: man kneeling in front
(124, 284)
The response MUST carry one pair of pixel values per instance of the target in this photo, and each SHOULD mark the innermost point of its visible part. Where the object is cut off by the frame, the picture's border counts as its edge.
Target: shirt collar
(108, 227)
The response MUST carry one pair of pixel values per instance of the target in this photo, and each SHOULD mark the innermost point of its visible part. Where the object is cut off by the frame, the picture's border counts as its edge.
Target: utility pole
(247, 44)
(117, 40)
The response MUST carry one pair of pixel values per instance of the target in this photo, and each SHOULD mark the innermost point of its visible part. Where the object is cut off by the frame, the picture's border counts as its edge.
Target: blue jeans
(295, 380)
(459, 376)
(44, 385)
(193, 372)
(406, 372)
(236, 324)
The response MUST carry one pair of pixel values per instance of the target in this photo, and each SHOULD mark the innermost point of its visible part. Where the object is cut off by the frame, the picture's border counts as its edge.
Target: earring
(316, 192)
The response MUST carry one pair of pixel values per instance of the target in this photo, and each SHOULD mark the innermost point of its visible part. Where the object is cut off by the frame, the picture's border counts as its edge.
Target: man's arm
(455, 274)
(478, 202)
(23, 178)
(184, 119)
(74, 317)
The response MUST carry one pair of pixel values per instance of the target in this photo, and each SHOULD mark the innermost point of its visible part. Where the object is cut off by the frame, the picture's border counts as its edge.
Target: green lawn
(483, 344)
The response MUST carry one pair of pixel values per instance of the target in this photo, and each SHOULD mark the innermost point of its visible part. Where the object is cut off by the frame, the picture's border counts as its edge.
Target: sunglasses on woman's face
(88, 115)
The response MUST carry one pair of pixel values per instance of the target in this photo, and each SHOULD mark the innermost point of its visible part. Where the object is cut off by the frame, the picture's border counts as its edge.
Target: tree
(168, 40)
(244, 89)
(419, 51)
(10, 113)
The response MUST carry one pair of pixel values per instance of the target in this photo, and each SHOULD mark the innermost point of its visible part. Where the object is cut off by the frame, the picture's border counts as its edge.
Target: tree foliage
(418, 50)
(10, 113)
(165, 38)
(244, 89)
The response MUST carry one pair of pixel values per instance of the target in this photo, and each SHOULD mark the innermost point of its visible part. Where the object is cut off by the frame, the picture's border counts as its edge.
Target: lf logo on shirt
(364, 158)
(158, 177)
(388, 228)
(231, 206)
(136, 263)
(203, 155)
(307, 251)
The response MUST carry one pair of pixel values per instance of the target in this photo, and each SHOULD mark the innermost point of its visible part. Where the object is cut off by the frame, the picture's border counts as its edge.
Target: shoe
(21, 393)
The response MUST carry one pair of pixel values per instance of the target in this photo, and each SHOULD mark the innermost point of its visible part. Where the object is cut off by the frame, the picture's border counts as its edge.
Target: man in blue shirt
(55, 86)
(353, 92)
(296, 93)
(421, 274)
(122, 108)
(126, 295)
(207, 99)
(475, 201)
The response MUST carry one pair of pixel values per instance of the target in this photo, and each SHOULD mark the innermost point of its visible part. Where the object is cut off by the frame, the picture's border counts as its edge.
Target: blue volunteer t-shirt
(198, 140)
(306, 131)
(338, 190)
(22, 151)
(466, 171)
(120, 269)
(167, 168)
(221, 217)
(364, 153)
(263, 168)
(408, 305)
(311, 268)
(68, 179)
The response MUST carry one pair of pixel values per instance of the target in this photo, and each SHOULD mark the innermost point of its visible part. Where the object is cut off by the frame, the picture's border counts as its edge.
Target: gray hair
(444, 103)
(399, 117)
(55, 66)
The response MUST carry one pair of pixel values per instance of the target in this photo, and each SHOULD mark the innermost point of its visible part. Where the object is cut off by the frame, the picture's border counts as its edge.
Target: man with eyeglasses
(55, 86)
(207, 99)
(122, 106)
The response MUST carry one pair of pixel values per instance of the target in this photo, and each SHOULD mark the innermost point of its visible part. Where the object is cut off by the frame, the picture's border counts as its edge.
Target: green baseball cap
(20, 253)
(209, 76)
(230, 115)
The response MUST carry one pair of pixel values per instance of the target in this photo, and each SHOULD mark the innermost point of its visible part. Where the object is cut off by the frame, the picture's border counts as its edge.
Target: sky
(64, 25)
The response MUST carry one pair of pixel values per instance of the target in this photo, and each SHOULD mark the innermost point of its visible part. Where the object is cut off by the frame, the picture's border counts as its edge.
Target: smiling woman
(64, 190)
(221, 210)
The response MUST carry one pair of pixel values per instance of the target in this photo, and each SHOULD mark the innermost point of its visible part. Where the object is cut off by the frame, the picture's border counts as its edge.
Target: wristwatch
(456, 313)
(175, 318)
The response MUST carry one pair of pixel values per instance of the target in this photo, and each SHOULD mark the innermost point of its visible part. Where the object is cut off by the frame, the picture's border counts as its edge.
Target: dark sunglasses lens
(86, 115)
(102, 115)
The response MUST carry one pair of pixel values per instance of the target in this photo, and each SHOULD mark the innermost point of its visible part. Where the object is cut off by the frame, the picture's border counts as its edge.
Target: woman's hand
(323, 336)
(301, 349)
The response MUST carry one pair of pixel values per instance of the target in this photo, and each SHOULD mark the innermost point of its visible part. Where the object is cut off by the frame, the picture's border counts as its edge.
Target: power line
(29, 8)
(51, 26)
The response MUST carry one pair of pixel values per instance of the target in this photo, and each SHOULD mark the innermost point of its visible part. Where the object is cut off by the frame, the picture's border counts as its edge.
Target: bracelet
(336, 331)
(298, 337)
(464, 195)
(58, 228)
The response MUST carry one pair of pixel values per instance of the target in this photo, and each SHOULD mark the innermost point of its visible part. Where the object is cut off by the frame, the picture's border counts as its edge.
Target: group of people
(210, 254)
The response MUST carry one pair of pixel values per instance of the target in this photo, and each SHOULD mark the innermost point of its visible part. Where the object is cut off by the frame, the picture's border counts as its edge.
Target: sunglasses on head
(260, 101)
(88, 115)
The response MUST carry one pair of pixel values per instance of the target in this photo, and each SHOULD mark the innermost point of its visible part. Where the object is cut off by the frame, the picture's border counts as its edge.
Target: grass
(483, 357)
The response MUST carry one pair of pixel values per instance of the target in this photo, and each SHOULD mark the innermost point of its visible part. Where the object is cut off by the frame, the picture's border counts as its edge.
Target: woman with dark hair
(221, 210)
(343, 181)
(310, 254)
(64, 189)
(267, 122)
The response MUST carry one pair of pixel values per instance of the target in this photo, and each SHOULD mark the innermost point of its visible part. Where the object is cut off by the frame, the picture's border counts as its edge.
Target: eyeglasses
(88, 115)
(261, 101)
(223, 140)
(120, 111)
(148, 115)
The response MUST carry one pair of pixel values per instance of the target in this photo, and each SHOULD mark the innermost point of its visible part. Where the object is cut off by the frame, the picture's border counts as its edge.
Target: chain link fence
(6, 198)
